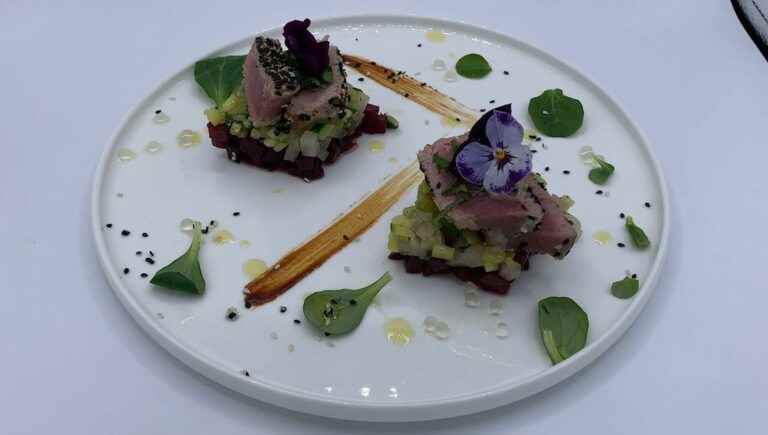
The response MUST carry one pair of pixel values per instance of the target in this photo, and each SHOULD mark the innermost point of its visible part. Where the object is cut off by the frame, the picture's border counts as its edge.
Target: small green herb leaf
(219, 76)
(338, 312)
(473, 66)
(440, 162)
(639, 239)
(392, 122)
(184, 274)
(556, 114)
(602, 172)
(327, 75)
(563, 326)
(626, 288)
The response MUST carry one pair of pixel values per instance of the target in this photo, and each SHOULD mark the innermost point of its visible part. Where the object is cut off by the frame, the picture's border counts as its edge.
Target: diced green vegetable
(215, 116)
(492, 258)
(235, 105)
(424, 201)
(443, 252)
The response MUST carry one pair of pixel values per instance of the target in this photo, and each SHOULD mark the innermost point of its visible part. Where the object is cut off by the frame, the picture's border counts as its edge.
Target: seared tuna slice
(269, 81)
(324, 102)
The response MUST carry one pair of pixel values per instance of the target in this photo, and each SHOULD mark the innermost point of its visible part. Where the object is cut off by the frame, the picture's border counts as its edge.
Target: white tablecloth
(74, 362)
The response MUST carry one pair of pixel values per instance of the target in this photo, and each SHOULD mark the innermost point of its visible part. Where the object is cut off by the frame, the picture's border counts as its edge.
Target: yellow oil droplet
(153, 147)
(254, 267)
(222, 237)
(392, 160)
(376, 146)
(602, 237)
(399, 331)
(125, 154)
(161, 118)
(244, 243)
(435, 36)
(447, 121)
(278, 190)
(188, 138)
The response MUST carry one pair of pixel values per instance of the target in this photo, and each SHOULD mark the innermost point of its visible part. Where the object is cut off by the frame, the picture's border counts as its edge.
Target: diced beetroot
(493, 282)
(413, 264)
(219, 135)
(435, 266)
(373, 123)
(396, 256)
(309, 168)
(371, 108)
(271, 159)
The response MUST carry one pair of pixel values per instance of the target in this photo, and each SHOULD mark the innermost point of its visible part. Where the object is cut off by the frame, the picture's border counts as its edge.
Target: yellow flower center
(499, 154)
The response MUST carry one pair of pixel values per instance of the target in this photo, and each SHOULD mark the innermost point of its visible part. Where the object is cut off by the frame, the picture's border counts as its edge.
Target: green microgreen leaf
(473, 66)
(337, 312)
(563, 326)
(219, 76)
(556, 114)
(639, 239)
(184, 274)
(625, 288)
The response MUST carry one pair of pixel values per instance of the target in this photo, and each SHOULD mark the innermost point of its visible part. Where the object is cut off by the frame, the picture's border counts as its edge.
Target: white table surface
(74, 362)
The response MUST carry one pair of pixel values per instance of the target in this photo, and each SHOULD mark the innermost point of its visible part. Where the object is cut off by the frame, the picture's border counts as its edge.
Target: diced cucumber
(292, 151)
(215, 116)
(510, 269)
(326, 131)
(469, 257)
(401, 231)
(565, 202)
(310, 144)
(401, 221)
(392, 244)
(424, 201)
(234, 104)
(442, 251)
(237, 129)
(492, 258)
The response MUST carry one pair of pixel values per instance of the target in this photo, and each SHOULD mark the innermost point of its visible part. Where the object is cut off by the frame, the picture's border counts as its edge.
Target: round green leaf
(473, 66)
(556, 114)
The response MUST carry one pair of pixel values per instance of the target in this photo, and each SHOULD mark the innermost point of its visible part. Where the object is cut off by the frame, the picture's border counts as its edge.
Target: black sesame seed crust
(276, 64)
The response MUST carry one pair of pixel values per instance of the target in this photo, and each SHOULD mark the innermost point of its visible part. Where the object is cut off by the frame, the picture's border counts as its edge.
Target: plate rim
(317, 404)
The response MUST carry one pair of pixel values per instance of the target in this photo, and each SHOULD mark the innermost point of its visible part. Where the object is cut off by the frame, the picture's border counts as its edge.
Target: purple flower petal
(311, 55)
(503, 175)
(473, 161)
(503, 130)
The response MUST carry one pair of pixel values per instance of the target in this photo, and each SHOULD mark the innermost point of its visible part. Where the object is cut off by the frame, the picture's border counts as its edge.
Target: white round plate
(362, 376)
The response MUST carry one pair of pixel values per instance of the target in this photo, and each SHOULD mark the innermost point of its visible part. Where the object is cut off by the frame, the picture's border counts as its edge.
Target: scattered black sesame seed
(204, 230)
(546, 169)
(247, 375)
(599, 192)
(492, 102)
(143, 275)
(538, 139)
(151, 254)
(534, 151)
(622, 215)
(149, 260)
(620, 245)
(144, 234)
(506, 73)
(352, 302)
(138, 252)
(647, 205)
(125, 233)
(327, 334)
(109, 225)
(360, 79)
(247, 304)
(126, 270)
(232, 315)
(406, 95)
(419, 45)
(158, 111)
(356, 38)
(212, 223)
(482, 110)
(283, 308)
(634, 276)
(237, 213)
(458, 119)
(296, 321)
(566, 172)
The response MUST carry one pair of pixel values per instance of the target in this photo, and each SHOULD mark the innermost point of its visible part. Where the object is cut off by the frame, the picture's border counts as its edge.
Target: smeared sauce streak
(311, 254)
(417, 91)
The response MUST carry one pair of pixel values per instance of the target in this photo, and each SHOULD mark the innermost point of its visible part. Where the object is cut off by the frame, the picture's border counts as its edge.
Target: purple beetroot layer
(254, 152)
(489, 281)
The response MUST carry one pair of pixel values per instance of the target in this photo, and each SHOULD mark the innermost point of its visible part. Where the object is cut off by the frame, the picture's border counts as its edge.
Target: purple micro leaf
(311, 55)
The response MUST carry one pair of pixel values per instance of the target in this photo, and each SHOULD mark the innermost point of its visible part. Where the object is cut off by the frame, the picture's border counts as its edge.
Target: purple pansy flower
(501, 162)
(312, 55)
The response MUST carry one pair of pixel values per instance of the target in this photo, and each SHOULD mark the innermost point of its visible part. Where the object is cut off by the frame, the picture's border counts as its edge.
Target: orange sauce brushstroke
(417, 91)
(311, 254)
